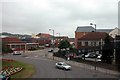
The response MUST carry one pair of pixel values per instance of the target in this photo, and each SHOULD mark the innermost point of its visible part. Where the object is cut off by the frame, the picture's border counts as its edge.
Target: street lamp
(53, 40)
(114, 50)
(95, 51)
(94, 25)
(59, 34)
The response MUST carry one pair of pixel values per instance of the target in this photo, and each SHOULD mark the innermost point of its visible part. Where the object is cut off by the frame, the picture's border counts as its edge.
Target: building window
(13, 46)
(101, 43)
(89, 43)
(79, 43)
(97, 43)
(86, 43)
(17, 46)
(83, 43)
(93, 43)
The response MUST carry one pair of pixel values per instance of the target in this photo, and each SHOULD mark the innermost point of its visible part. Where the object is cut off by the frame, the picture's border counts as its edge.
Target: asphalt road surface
(45, 68)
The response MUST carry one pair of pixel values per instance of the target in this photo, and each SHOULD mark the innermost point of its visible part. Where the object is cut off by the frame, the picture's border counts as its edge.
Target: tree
(108, 49)
(117, 52)
(64, 44)
(5, 49)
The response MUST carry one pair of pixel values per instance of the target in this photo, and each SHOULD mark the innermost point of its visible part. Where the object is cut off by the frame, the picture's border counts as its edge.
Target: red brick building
(91, 40)
(85, 37)
(80, 32)
(42, 39)
(43, 35)
(17, 45)
(14, 43)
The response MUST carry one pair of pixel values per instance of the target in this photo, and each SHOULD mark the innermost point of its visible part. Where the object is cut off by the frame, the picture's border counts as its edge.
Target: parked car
(90, 55)
(72, 55)
(50, 50)
(98, 60)
(81, 56)
(47, 45)
(99, 56)
(17, 53)
(63, 65)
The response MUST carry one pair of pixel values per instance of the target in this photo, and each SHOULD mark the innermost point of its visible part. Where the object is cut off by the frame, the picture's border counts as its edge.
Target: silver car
(63, 65)
(17, 53)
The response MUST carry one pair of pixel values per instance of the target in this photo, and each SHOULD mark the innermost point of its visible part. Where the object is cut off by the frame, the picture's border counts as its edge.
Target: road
(45, 68)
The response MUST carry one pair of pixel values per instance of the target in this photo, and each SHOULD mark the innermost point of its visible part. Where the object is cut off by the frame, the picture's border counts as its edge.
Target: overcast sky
(38, 16)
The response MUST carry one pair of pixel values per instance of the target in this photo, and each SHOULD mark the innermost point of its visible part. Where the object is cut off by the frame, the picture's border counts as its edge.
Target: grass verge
(28, 69)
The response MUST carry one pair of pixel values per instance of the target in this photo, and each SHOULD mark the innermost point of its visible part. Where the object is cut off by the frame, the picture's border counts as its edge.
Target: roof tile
(94, 36)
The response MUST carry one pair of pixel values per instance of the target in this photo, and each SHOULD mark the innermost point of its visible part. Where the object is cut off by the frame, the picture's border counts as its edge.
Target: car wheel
(57, 67)
(64, 68)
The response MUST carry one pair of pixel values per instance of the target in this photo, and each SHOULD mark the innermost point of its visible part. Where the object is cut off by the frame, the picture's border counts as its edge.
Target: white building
(114, 32)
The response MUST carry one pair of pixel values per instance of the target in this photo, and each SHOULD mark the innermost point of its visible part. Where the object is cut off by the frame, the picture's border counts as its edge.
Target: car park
(63, 65)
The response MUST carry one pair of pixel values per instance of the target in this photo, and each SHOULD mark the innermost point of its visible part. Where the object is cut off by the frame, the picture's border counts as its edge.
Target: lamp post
(114, 51)
(94, 25)
(53, 41)
(59, 34)
(95, 51)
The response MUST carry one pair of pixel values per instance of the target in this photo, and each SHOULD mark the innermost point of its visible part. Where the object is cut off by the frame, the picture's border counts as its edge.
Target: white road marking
(27, 57)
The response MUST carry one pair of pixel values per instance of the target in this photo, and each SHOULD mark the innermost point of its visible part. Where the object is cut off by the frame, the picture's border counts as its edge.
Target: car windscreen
(64, 64)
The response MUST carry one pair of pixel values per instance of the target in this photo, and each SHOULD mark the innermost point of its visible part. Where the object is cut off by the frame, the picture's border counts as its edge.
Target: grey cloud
(61, 15)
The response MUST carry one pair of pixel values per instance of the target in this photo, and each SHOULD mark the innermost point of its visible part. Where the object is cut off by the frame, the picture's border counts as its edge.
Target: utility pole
(52, 41)
(95, 50)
